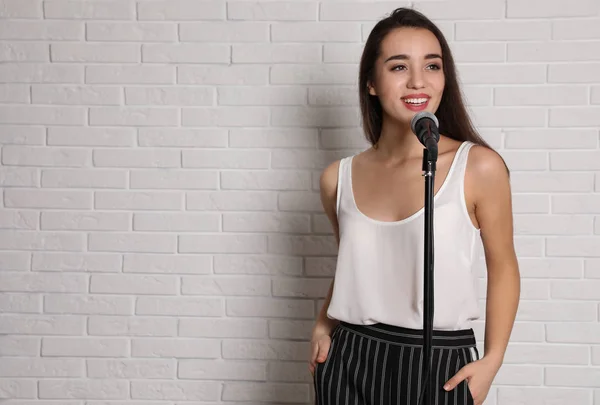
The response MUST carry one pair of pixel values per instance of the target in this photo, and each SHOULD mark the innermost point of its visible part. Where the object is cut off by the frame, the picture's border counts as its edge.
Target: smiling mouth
(416, 101)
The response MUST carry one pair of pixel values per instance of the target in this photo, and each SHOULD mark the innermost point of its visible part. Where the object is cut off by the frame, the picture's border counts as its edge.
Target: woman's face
(409, 74)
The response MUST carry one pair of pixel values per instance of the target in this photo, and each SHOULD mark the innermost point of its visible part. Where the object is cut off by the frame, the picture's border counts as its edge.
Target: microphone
(425, 126)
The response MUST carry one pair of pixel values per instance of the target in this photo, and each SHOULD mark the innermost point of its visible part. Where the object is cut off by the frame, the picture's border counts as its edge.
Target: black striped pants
(381, 365)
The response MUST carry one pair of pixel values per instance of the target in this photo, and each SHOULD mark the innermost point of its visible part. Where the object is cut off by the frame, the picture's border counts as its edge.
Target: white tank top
(379, 271)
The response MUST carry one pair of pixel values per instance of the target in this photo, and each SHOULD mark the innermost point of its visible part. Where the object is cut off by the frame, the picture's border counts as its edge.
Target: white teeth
(415, 100)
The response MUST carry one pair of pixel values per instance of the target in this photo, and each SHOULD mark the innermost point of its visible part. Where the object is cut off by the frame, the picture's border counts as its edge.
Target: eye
(399, 66)
(434, 66)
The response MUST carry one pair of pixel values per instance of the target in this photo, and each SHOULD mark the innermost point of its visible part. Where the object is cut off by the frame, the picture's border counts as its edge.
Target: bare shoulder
(328, 185)
(487, 174)
(486, 165)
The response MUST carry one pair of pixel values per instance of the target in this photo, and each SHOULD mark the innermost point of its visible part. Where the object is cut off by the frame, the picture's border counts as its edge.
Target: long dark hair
(452, 114)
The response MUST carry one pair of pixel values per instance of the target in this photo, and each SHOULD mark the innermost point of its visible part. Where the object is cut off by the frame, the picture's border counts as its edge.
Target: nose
(415, 80)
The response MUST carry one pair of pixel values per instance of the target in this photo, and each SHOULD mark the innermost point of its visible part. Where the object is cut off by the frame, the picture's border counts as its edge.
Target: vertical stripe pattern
(381, 364)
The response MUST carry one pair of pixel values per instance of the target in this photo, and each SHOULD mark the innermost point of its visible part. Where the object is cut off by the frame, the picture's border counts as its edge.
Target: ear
(371, 88)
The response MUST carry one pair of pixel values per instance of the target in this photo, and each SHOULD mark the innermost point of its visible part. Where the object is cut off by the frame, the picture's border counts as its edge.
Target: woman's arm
(493, 209)
(328, 190)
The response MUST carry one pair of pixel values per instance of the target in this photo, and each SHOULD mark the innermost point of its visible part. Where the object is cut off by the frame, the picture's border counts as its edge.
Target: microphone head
(420, 115)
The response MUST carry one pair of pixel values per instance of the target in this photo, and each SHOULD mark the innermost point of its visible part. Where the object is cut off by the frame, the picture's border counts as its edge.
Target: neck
(397, 143)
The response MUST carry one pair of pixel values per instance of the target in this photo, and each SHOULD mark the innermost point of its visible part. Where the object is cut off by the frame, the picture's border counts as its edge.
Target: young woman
(367, 340)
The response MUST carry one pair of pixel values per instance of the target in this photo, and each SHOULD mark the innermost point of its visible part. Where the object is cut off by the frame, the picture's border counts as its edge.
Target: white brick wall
(162, 241)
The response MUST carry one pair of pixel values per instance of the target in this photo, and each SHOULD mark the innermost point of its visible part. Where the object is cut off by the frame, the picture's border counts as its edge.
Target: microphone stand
(429, 168)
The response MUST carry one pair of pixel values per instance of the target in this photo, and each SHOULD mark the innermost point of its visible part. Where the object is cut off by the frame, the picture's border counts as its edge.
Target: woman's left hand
(479, 375)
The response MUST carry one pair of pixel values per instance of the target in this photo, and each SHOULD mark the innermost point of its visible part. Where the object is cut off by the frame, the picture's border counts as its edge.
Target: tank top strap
(461, 160)
(340, 182)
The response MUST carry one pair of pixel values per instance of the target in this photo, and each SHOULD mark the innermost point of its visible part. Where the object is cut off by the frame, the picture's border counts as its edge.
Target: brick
(86, 262)
(23, 346)
(132, 326)
(546, 95)
(42, 30)
(231, 200)
(182, 137)
(240, 391)
(15, 261)
(95, 53)
(18, 388)
(550, 138)
(255, 349)
(553, 51)
(133, 284)
(42, 115)
(173, 179)
(222, 243)
(570, 73)
(572, 246)
(84, 178)
(551, 9)
(502, 74)
(13, 9)
(180, 306)
(134, 116)
(576, 29)
(273, 138)
(269, 307)
(14, 93)
(316, 32)
(223, 328)
(574, 116)
(185, 53)
(37, 198)
(305, 116)
(30, 240)
(354, 11)
(281, 95)
(235, 75)
(41, 368)
(101, 221)
(178, 390)
(40, 73)
(224, 32)
(226, 159)
(126, 74)
(181, 10)
(88, 305)
(42, 324)
(89, 10)
(247, 264)
(138, 200)
(168, 96)
(43, 282)
(83, 389)
(154, 263)
(135, 157)
(131, 243)
(176, 347)
(19, 135)
(131, 31)
(131, 369)
(272, 11)
(263, 222)
(221, 370)
(21, 303)
(313, 74)
(225, 286)
(176, 222)
(74, 95)
(15, 219)
(502, 30)
(225, 116)
(44, 156)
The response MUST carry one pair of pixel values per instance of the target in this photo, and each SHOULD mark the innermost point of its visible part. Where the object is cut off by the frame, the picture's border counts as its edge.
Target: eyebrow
(406, 57)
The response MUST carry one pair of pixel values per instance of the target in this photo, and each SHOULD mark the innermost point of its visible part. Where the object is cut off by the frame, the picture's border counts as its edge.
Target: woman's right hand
(320, 345)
